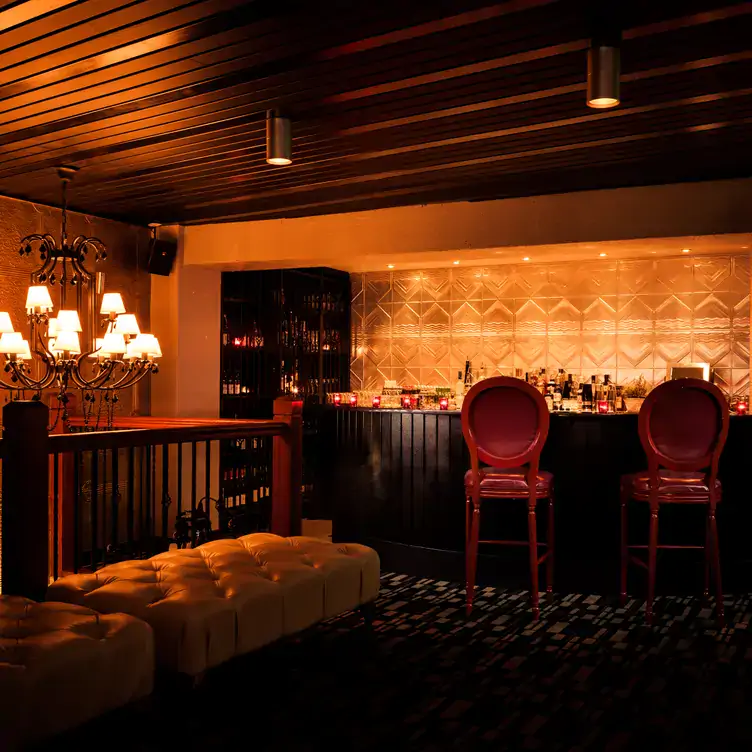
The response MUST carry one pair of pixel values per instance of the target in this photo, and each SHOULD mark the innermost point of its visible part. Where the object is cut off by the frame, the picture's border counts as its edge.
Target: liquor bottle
(225, 331)
(468, 372)
(224, 384)
(558, 396)
(482, 371)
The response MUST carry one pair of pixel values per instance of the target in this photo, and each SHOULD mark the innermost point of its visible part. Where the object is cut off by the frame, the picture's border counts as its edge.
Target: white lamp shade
(112, 302)
(126, 324)
(12, 343)
(51, 327)
(145, 345)
(68, 321)
(51, 345)
(26, 354)
(38, 299)
(113, 345)
(67, 342)
(5, 322)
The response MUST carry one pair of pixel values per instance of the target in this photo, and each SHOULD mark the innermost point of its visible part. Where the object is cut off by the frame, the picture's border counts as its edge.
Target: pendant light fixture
(278, 139)
(604, 58)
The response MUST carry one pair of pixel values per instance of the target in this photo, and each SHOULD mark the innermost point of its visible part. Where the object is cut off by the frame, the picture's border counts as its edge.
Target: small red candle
(376, 401)
(602, 406)
(406, 402)
(742, 406)
(337, 398)
(353, 400)
(444, 403)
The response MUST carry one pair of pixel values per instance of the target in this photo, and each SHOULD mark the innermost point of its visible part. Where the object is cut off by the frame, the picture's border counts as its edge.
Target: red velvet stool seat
(505, 423)
(683, 426)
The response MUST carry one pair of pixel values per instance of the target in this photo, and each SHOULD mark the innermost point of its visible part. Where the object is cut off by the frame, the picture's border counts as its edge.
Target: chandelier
(52, 357)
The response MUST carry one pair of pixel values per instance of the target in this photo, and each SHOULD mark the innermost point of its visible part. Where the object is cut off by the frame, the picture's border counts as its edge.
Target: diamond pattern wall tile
(712, 274)
(673, 315)
(563, 317)
(672, 348)
(406, 286)
(467, 284)
(599, 352)
(598, 315)
(634, 314)
(378, 290)
(466, 319)
(498, 318)
(530, 317)
(437, 285)
(625, 318)
(712, 347)
(740, 381)
(435, 320)
(406, 322)
(635, 350)
(530, 352)
(711, 310)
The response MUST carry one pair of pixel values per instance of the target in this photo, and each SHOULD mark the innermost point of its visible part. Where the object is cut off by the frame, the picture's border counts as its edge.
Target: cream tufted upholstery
(61, 665)
(229, 597)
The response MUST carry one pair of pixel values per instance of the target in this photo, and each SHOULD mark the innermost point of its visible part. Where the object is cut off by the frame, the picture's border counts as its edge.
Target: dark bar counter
(395, 482)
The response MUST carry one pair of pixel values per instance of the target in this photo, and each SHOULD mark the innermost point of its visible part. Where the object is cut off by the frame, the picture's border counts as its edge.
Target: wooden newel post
(26, 518)
(287, 471)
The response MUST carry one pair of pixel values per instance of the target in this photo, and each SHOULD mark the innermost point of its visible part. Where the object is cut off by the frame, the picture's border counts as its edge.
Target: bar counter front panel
(396, 483)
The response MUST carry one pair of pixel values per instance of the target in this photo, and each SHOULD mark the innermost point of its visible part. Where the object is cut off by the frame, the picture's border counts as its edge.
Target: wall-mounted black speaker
(162, 256)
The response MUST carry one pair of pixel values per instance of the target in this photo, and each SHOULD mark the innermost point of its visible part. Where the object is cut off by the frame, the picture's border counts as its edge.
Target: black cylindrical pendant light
(604, 55)
(278, 139)
(603, 72)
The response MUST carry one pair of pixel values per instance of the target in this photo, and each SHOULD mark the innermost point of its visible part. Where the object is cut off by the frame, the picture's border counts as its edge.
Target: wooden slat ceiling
(162, 102)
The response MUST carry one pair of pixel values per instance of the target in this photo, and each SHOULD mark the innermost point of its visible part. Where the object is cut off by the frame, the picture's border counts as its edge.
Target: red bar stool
(683, 426)
(505, 423)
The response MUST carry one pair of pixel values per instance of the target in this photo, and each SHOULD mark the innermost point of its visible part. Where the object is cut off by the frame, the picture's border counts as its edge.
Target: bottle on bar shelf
(468, 372)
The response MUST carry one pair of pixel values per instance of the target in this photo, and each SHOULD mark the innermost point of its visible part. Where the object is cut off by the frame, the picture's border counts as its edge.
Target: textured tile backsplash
(624, 318)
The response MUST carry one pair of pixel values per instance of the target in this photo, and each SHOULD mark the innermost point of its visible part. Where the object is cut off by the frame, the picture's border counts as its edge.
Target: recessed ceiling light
(685, 250)
(526, 258)
(601, 255)
(455, 262)
(390, 266)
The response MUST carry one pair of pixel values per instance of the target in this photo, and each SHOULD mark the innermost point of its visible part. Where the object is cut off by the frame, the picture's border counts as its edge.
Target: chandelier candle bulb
(38, 300)
(68, 321)
(6, 326)
(112, 304)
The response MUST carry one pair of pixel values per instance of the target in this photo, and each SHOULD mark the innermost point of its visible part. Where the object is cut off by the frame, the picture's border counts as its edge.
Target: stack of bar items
(566, 393)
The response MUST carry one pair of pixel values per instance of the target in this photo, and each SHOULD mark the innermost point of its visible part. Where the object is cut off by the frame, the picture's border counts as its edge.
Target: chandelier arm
(29, 383)
(132, 376)
(98, 382)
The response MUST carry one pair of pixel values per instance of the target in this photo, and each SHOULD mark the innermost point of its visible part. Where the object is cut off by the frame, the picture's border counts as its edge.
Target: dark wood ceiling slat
(162, 102)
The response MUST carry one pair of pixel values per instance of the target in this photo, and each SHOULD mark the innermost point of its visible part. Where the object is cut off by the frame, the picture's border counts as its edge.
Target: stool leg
(624, 550)
(550, 558)
(533, 545)
(707, 551)
(716, 563)
(468, 520)
(471, 555)
(652, 552)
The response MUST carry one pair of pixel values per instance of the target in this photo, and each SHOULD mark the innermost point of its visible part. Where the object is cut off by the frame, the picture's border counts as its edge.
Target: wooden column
(287, 470)
(26, 518)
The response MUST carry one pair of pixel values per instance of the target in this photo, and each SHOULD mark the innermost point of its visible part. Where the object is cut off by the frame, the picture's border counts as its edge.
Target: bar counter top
(397, 483)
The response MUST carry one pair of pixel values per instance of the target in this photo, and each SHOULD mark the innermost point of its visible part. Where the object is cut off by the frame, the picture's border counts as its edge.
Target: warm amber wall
(124, 269)
(624, 318)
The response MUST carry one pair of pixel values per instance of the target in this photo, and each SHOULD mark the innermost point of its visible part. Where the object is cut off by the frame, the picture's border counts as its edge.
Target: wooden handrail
(135, 437)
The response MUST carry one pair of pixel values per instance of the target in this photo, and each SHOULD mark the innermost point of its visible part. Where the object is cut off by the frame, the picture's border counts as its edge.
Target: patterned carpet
(588, 676)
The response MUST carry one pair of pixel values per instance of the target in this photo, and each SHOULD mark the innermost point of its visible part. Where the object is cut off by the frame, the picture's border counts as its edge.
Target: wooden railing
(76, 501)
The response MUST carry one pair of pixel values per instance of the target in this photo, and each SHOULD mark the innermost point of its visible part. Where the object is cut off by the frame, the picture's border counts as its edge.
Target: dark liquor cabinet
(284, 332)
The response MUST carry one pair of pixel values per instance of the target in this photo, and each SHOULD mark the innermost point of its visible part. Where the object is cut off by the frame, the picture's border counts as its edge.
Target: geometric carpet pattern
(588, 675)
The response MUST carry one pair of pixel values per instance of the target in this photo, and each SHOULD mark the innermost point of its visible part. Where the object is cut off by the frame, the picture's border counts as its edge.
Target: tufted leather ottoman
(229, 597)
(61, 665)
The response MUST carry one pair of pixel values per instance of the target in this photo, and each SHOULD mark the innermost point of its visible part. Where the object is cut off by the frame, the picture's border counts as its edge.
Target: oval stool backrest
(505, 422)
(683, 425)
